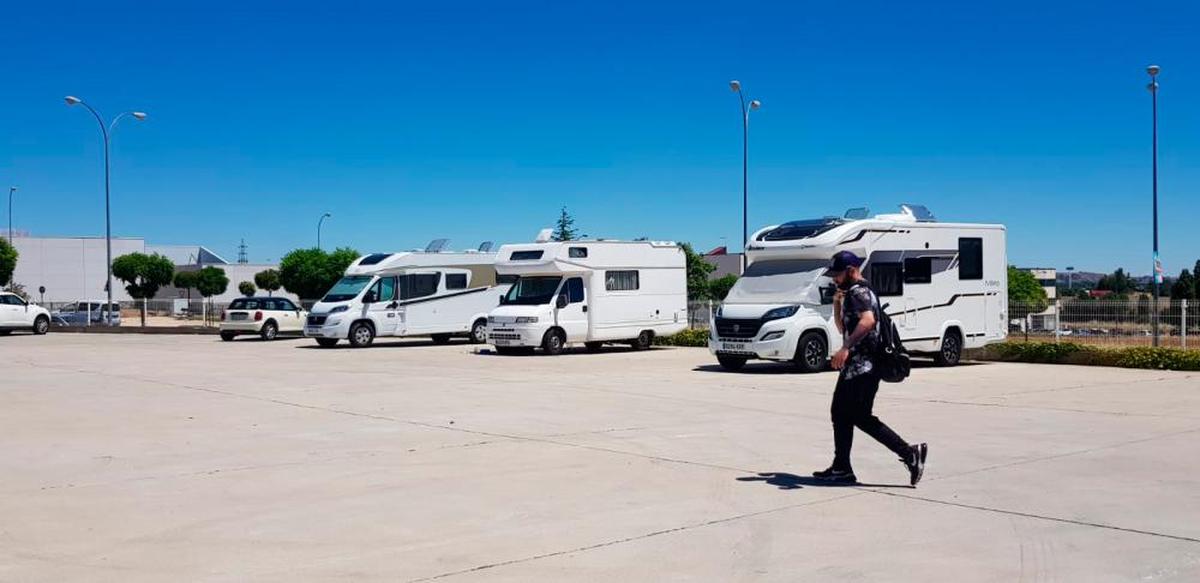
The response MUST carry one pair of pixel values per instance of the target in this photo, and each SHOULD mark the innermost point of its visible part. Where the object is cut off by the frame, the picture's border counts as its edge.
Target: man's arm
(838, 297)
(866, 323)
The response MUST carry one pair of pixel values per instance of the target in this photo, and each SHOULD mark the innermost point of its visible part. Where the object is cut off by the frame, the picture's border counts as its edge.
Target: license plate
(237, 316)
(734, 346)
(312, 330)
(502, 342)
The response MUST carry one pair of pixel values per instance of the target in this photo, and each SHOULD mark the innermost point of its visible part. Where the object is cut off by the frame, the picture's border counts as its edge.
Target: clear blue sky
(478, 120)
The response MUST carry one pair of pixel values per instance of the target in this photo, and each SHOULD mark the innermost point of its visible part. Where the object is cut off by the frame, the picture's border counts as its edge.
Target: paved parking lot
(172, 458)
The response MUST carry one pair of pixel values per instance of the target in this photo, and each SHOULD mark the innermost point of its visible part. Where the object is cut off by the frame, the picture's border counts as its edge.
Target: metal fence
(1110, 322)
(169, 312)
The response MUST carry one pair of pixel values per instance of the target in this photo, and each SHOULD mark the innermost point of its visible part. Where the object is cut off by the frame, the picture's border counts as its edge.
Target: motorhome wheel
(479, 331)
(553, 342)
(361, 335)
(811, 352)
(951, 350)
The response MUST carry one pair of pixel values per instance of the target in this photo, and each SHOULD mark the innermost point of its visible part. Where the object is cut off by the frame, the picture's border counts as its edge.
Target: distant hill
(1080, 278)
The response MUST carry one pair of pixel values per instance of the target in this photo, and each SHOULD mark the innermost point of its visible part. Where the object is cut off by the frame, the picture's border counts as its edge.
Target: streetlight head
(327, 215)
(72, 100)
(139, 115)
(1153, 70)
(734, 85)
(755, 104)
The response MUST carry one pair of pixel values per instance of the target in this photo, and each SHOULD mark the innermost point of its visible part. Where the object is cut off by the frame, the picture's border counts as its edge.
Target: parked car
(265, 317)
(18, 314)
(78, 314)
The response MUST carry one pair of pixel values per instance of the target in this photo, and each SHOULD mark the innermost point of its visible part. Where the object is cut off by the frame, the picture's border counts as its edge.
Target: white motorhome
(945, 285)
(419, 293)
(594, 292)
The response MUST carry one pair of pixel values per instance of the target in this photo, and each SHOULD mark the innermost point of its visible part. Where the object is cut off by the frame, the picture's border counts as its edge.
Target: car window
(286, 305)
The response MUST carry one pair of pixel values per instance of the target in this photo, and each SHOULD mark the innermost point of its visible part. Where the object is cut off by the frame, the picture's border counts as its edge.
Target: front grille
(504, 336)
(316, 320)
(741, 329)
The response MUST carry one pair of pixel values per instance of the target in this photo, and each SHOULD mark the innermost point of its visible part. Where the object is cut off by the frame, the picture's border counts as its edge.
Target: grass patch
(1072, 353)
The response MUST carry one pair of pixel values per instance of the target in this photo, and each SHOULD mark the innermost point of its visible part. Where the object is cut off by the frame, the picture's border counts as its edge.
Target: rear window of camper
(456, 281)
(970, 258)
(577, 252)
(525, 255)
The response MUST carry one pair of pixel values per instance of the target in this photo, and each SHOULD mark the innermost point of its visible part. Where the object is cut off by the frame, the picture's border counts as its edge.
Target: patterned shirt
(858, 299)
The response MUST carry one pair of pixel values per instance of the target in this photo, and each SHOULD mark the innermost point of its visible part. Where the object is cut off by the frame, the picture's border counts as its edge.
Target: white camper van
(945, 285)
(419, 293)
(594, 292)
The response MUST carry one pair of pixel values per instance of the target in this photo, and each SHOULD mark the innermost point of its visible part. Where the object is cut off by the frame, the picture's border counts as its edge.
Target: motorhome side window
(574, 290)
(887, 279)
(918, 270)
(507, 279)
(621, 280)
(970, 258)
(577, 252)
(418, 285)
(385, 289)
(525, 255)
(456, 281)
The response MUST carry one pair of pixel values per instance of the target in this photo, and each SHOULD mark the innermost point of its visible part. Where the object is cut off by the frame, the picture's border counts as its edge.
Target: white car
(18, 314)
(264, 317)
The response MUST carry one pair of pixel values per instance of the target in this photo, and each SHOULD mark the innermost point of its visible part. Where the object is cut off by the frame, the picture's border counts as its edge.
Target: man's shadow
(786, 481)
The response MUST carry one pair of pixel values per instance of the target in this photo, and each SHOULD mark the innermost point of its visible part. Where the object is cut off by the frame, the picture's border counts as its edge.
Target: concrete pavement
(151, 458)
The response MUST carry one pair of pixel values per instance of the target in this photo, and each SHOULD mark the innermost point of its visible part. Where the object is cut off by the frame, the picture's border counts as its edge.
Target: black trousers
(853, 400)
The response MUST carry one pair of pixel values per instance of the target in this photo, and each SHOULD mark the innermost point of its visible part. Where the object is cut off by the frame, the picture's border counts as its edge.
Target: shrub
(1072, 353)
(689, 337)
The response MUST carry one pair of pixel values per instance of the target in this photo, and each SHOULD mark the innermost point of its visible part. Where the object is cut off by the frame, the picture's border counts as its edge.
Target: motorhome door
(383, 310)
(573, 317)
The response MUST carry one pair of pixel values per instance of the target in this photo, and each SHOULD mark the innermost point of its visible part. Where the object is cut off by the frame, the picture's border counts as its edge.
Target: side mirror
(827, 293)
(503, 299)
(370, 298)
(562, 302)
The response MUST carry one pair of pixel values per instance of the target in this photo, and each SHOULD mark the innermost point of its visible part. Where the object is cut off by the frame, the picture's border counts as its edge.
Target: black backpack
(891, 361)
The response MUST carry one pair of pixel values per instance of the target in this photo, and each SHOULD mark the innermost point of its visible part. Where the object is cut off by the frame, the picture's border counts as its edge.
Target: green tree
(8, 261)
(211, 281)
(247, 289)
(1117, 282)
(719, 287)
(268, 280)
(1184, 287)
(143, 275)
(1196, 277)
(309, 273)
(698, 271)
(564, 229)
(1025, 295)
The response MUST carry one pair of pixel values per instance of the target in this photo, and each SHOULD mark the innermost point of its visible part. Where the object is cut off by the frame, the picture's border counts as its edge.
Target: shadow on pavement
(772, 367)
(786, 481)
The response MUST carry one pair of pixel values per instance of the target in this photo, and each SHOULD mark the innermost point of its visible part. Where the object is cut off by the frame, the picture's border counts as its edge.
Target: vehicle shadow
(772, 367)
(574, 352)
(387, 343)
(786, 481)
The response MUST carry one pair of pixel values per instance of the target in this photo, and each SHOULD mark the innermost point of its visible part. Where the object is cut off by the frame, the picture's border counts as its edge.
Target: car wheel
(227, 336)
(479, 331)
(811, 352)
(731, 363)
(41, 325)
(643, 341)
(269, 331)
(441, 338)
(951, 350)
(361, 335)
(593, 346)
(327, 342)
(553, 342)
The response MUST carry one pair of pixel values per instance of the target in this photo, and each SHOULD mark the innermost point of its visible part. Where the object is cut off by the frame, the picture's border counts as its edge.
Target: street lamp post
(319, 223)
(106, 133)
(736, 86)
(1157, 270)
(1070, 271)
(11, 190)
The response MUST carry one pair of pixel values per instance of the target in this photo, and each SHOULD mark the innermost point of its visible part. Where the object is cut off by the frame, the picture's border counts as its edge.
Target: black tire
(950, 352)
(227, 336)
(554, 342)
(731, 363)
(327, 342)
(479, 331)
(270, 331)
(41, 325)
(593, 346)
(440, 338)
(643, 341)
(812, 352)
(362, 335)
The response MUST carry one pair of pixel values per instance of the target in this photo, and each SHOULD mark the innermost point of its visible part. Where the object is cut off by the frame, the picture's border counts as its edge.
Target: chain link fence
(1109, 322)
(159, 313)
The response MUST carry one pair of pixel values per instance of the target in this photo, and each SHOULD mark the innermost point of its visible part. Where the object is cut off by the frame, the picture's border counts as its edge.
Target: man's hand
(839, 359)
(838, 295)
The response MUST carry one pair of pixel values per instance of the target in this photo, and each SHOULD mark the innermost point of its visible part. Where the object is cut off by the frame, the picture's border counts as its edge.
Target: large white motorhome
(594, 292)
(419, 293)
(945, 285)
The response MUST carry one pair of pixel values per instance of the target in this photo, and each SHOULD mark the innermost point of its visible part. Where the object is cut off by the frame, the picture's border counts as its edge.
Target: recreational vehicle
(419, 293)
(594, 292)
(945, 285)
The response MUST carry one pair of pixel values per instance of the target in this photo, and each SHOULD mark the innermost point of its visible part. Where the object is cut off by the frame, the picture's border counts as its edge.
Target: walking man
(856, 312)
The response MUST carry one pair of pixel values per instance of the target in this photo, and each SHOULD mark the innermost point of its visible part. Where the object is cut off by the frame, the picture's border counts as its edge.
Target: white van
(418, 293)
(594, 292)
(945, 285)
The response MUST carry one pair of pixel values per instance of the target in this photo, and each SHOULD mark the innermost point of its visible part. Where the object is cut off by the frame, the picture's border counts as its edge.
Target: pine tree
(564, 229)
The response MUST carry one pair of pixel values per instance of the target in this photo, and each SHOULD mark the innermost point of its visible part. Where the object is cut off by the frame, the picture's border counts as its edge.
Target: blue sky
(478, 120)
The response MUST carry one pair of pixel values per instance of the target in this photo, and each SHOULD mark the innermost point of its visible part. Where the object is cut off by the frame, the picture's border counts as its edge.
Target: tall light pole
(1156, 274)
(11, 190)
(736, 86)
(319, 223)
(106, 132)
(1070, 270)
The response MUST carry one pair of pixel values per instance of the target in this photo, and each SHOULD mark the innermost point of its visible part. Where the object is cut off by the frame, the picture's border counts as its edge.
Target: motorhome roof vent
(436, 245)
(800, 229)
(374, 258)
(544, 235)
(486, 246)
(918, 212)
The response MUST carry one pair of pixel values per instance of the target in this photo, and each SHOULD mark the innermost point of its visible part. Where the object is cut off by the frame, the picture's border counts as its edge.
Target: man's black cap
(842, 260)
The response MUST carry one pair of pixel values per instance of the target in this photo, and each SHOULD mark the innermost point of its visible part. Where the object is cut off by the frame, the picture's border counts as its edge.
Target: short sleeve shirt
(858, 299)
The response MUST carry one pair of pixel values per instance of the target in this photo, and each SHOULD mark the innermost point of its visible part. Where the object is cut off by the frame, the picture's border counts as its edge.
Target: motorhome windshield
(784, 281)
(347, 288)
(800, 229)
(533, 291)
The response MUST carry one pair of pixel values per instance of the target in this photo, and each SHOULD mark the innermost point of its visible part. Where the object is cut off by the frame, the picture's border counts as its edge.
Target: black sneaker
(836, 476)
(916, 463)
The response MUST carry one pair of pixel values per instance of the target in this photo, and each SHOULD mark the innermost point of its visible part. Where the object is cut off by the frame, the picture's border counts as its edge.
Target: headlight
(719, 310)
(526, 320)
(772, 335)
(339, 309)
(784, 312)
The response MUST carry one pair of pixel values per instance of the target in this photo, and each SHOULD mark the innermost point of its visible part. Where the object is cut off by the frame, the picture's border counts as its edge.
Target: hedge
(1072, 353)
(689, 337)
